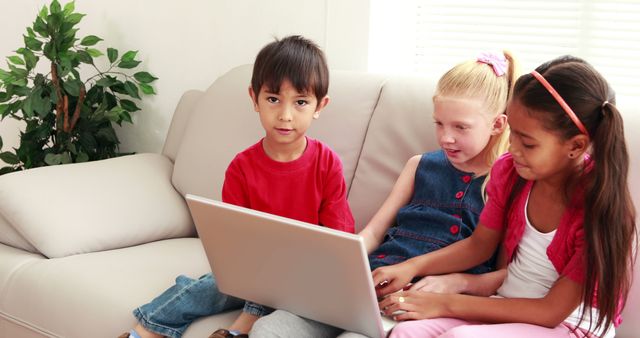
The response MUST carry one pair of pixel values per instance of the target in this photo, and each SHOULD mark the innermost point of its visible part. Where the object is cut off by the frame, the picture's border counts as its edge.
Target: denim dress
(444, 209)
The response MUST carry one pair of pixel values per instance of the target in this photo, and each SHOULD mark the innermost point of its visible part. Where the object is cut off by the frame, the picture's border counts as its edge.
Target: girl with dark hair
(560, 207)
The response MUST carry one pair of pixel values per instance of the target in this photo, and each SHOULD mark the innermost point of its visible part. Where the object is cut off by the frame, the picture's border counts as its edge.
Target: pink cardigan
(567, 248)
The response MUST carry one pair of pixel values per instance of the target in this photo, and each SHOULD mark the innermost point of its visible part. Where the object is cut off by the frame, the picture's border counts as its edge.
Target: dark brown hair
(293, 58)
(609, 214)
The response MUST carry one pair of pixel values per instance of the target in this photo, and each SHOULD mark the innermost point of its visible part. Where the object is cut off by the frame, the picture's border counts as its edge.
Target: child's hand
(389, 279)
(412, 305)
(451, 283)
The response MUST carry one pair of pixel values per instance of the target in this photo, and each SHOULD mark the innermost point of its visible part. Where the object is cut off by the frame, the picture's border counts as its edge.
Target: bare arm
(549, 311)
(400, 195)
(485, 284)
(458, 256)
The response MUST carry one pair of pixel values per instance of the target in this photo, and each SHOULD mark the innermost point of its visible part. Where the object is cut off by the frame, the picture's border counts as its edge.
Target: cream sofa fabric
(85, 275)
(63, 211)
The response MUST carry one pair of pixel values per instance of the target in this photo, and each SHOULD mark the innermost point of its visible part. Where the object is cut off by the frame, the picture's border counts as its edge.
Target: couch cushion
(225, 112)
(95, 206)
(72, 296)
(401, 126)
(9, 236)
(179, 122)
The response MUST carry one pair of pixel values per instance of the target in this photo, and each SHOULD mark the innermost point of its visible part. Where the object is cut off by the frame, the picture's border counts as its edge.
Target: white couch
(83, 244)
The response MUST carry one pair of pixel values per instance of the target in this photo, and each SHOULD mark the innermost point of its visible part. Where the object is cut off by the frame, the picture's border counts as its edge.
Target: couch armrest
(95, 206)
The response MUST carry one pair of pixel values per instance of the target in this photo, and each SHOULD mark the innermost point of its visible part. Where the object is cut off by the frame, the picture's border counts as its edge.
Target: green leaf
(74, 18)
(4, 75)
(106, 81)
(112, 54)
(55, 7)
(41, 105)
(6, 170)
(21, 82)
(72, 87)
(52, 159)
(130, 55)
(27, 108)
(54, 20)
(65, 158)
(132, 89)
(72, 147)
(126, 117)
(107, 134)
(9, 158)
(16, 60)
(0, 142)
(82, 157)
(30, 59)
(128, 64)
(40, 26)
(90, 40)
(144, 77)
(94, 52)
(69, 8)
(44, 12)
(84, 57)
(128, 105)
(147, 89)
(18, 73)
(114, 114)
(50, 51)
(4, 108)
(32, 43)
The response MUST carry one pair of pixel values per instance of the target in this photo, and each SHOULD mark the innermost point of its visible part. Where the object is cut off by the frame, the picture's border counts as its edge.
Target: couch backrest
(223, 123)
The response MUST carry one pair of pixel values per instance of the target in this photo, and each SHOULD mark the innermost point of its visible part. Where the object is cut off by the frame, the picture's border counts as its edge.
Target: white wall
(187, 44)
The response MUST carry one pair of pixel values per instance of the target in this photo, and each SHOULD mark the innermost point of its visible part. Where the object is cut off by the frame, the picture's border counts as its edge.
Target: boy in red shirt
(285, 173)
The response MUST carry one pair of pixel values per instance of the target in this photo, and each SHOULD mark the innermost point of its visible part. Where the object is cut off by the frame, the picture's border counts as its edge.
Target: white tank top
(531, 274)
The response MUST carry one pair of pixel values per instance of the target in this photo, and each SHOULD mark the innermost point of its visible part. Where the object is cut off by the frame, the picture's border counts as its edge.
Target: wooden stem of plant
(56, 84)
(65, 125)
(76, 113)
(62, 106)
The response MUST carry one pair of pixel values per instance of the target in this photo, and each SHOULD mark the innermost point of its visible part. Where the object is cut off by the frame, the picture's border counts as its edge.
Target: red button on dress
(454, 229)
(459, 194)
(466, 178)
(380, 256)
(456, 216)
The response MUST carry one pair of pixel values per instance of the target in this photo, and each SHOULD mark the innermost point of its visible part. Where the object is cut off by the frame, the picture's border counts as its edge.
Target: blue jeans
(189, 299)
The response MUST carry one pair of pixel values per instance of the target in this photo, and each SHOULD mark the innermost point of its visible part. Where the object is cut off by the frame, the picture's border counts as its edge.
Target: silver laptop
(312, 271)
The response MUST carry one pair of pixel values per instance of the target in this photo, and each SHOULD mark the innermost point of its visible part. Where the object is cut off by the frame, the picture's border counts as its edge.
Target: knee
(276, 324)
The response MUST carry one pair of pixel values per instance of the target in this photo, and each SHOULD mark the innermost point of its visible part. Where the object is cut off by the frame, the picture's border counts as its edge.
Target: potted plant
(67, 118)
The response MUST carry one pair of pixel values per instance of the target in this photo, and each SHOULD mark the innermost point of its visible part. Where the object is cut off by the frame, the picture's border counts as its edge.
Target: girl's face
(538, 153)
(463, 129)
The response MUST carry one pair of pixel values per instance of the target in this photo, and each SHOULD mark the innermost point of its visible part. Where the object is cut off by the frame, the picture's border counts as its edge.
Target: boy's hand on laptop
(412, 305)
(389, 279)
(450, 283)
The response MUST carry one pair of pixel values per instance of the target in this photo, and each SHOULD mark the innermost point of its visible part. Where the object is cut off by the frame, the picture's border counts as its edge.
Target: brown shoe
(222, 333)
(124, 335)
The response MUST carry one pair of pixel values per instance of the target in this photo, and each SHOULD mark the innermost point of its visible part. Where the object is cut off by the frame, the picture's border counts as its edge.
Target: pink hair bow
(497, 61)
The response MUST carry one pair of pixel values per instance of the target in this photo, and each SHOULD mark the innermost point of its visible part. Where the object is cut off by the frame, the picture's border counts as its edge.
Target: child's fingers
(407, 315)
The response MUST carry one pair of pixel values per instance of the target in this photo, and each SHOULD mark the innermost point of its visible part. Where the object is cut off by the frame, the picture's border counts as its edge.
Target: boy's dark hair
(609, 214)
(293, 58)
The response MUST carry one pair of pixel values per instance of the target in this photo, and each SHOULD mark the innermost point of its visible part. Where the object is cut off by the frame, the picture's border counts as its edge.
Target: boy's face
(286, 116)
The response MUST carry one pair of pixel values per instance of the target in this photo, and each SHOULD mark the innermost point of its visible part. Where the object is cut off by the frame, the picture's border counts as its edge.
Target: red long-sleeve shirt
(310, 189)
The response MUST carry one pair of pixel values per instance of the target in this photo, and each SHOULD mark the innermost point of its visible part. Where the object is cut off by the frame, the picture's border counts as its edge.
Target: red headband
(561, 101)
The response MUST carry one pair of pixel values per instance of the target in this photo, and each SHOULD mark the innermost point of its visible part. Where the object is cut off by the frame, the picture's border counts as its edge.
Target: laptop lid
(315, 272)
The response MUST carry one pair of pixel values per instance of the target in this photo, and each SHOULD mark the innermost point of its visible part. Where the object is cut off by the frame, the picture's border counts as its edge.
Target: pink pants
(457, 328)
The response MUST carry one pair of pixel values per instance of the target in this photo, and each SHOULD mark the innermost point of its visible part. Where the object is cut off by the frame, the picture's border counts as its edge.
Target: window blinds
(427, 36)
